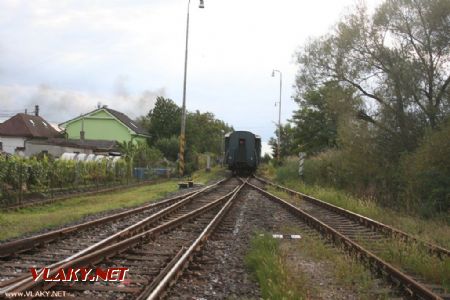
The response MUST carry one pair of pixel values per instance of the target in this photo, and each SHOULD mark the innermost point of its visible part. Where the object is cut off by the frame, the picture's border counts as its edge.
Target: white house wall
(9, 144)
(54, 150)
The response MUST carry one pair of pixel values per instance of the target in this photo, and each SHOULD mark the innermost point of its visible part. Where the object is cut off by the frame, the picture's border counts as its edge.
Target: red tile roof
(23, 125)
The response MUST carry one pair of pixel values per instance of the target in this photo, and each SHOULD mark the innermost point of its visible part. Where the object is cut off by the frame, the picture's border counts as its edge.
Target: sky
(69, 56)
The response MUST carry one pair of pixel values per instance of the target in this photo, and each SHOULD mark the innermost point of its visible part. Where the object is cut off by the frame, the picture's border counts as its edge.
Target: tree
(397, 60)
(316, 121)
(288, 144)
(164, 119)
(371, 90)
(169, 147)
(204, 133)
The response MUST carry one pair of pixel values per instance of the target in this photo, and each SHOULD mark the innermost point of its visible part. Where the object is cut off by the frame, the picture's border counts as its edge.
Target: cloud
(58, 105)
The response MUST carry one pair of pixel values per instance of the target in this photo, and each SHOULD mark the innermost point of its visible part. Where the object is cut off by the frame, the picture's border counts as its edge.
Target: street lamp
(279, 115)
(183, 109)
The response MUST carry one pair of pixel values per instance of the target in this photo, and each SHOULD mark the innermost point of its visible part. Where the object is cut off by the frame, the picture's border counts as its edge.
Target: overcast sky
(67, 56)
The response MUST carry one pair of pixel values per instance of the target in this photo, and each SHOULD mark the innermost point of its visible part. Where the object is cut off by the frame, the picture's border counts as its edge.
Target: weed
(267, 264)
(16, 223)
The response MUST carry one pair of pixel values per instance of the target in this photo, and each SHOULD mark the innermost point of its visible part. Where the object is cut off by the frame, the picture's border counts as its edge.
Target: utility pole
(183, 109)
(279, 116)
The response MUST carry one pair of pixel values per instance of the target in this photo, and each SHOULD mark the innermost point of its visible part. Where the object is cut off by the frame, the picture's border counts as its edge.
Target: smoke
(133, 106)
(59, 105)
(120, 86)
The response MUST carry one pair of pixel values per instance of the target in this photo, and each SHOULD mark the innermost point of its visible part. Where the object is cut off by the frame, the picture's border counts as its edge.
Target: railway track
(61, 196)
(150, 248)
(160, 245)
(58, 244)
(366, 239)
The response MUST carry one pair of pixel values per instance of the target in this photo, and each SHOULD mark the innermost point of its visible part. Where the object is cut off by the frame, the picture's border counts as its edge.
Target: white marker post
(301, 156)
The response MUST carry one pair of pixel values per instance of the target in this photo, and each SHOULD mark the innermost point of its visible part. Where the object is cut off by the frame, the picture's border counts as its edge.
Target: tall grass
(266, 263)
(16, 223)
(407, 256)
(435, 230)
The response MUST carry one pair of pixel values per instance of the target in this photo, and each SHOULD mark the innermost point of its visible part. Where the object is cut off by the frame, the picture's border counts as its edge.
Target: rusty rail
(16, 246)
(409, 285)
(72, 194)
(365, 221)
(25, 244)
(180, 264)
(110, 250)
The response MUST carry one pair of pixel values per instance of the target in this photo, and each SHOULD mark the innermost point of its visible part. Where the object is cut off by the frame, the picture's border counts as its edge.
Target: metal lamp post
(279, 115)
(183, 110)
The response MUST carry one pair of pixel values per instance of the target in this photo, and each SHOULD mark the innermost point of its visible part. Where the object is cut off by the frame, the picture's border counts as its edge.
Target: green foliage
(372, 95)
(164, 119)
(169, 147)
(317, 119)
(265, 261)
(19, 176)
(288, 144)
(288, 170)
(204, 133)
(427, 173)
(18, 222)
(140, 154)
(436, 231)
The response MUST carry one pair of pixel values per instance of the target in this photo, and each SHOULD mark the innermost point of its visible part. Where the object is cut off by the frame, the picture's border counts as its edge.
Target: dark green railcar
(242, 151)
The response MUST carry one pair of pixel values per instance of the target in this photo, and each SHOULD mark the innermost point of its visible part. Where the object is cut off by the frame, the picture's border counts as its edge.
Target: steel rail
(365, 221)
(89, 192)
(110, 250)
(21, 245)
(409, 285)
(180, 264)
(126, 232)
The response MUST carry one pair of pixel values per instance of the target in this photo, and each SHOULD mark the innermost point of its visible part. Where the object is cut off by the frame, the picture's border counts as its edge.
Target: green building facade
(104, 124)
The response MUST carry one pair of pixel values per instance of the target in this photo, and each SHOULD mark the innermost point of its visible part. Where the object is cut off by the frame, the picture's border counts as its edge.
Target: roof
(127, 121)
(23, 125)
(123, 118)
(84, 144)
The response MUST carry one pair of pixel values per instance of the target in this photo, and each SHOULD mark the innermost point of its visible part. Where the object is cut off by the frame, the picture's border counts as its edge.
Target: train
(242, 152)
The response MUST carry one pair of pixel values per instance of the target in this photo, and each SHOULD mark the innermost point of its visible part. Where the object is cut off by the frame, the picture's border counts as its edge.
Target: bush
(426, 174)
(23, 175)
(288, 170)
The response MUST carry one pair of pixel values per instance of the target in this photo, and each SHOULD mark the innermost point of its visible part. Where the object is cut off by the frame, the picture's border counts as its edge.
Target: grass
(267, 264)
(403, 255)
(414, 257)
(273, 264)
(27, 220)
(347, 272)
(203, 177)
(435, 231)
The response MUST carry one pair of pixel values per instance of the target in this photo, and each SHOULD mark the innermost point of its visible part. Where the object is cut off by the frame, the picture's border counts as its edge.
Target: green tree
(169, 147)
(397, 60)
(163, 121)
(288, 144)
(370, 91)
(204, 133)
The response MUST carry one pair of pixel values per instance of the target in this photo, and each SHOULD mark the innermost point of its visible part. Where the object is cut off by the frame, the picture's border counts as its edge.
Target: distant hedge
(20, 176)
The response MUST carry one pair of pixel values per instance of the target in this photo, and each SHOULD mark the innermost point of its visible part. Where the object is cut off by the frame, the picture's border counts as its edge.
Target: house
(58, 146)
(104, 124)
(16, 131)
